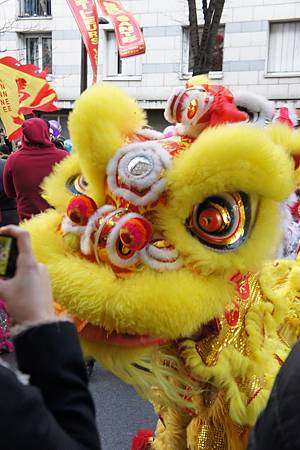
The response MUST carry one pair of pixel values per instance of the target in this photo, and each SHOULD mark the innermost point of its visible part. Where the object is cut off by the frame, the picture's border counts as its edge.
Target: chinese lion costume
(157, 248)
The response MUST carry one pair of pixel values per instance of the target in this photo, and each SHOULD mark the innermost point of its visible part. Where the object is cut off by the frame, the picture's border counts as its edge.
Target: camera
(8, 256)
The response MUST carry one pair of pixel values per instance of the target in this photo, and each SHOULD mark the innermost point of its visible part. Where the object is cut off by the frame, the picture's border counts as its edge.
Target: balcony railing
(35, 8)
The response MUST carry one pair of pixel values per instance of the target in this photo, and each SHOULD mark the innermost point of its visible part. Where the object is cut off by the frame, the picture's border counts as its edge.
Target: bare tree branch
(203, 50)
(204, 8)
(194, 32)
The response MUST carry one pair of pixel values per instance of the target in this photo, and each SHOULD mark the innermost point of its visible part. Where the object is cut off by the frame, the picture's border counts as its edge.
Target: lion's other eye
(77, 185)
(222, 221)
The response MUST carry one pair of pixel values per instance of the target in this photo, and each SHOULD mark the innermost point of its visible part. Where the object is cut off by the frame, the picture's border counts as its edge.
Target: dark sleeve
(57, 406)
(8, 143)
(8, 183)
(2, 164)
(277, 427)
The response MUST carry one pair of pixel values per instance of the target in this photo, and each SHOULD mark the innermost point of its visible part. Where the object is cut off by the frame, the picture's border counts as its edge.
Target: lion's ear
(102, 118)
(288, 138)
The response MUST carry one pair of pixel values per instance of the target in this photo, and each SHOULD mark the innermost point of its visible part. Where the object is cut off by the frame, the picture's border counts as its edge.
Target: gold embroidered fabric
(211, 438)
(211, 347)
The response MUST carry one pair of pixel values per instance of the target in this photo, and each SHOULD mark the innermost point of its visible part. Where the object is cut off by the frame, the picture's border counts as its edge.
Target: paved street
(120, 412)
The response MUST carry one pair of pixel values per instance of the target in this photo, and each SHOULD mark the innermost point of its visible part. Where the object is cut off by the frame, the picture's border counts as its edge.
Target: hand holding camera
(28, 293)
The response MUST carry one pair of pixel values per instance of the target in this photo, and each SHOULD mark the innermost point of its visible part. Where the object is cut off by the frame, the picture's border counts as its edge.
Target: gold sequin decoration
(210, 348)
(251, 387)
(211, 438)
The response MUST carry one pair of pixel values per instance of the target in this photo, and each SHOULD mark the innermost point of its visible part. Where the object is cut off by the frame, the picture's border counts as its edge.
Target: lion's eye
(77, 185)
(222, 221)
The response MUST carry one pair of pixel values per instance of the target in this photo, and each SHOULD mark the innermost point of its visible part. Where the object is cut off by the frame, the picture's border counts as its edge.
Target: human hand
(28, 295)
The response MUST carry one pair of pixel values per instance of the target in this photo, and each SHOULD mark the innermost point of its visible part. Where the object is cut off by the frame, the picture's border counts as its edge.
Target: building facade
(258, 49)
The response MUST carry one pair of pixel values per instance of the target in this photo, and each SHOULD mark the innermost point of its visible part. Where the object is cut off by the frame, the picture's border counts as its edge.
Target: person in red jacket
(26, 168)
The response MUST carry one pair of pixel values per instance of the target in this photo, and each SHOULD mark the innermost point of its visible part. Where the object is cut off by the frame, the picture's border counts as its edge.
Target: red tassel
(142, 440)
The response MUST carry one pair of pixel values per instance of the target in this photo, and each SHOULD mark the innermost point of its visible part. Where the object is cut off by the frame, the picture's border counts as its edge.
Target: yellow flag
(22, 90)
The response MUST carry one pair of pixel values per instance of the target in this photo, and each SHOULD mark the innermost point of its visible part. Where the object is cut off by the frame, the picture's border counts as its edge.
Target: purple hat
(55, 128)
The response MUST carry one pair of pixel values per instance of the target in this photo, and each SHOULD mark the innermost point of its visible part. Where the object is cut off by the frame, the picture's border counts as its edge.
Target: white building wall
(245, 48)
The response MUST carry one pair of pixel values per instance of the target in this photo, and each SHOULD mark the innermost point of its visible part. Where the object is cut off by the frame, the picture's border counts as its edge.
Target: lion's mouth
(95, 333)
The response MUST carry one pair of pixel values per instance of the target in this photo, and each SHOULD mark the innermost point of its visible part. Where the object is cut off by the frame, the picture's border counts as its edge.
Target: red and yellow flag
(129, 36)
(86, 16)
(22, 89)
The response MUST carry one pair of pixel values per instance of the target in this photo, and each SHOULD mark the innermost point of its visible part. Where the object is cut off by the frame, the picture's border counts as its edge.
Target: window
(35, 8)
(284, 48)
(38, 50)
(188, 57)
(117, 67)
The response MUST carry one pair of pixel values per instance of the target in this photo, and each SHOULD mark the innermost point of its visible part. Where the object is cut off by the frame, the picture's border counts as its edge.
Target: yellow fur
(119, 304)
(228, 159)
(101, 119)
(54, 186)
(286, 137)
(175, 304)
(198, 80)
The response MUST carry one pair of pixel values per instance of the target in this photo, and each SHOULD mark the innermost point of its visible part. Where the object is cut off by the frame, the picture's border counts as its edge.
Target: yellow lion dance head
(149, 240)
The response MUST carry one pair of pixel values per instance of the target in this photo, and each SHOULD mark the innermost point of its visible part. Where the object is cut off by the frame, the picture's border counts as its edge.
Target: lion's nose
(136, 233)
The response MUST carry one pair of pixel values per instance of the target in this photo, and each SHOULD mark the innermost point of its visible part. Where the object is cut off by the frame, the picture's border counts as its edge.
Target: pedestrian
(25, 169)
(6, 146)
(277, 427)
(47, 405)
(55, 133)
(8, 207)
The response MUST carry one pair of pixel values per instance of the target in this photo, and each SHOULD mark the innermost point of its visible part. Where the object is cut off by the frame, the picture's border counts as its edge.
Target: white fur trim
(67, 226)
(291, 231)
(150, 134)
(180, 129)
(22, 327)
(118, 167)
(85, 242)
(144, 181)
(99, 231)
(22, 377)
(168, 115)
(112, 242)
(155, 191)
(162, 254)
(262, 109)
(159, 265)
(199, 96)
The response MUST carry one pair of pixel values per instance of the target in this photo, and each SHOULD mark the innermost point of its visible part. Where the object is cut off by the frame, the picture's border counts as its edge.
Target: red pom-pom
(80, 209)
(136, 233)
(142, 440)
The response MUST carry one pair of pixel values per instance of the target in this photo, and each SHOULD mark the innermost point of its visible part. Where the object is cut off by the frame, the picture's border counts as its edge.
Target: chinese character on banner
(86, 16)
(23, 88)
(129, 36)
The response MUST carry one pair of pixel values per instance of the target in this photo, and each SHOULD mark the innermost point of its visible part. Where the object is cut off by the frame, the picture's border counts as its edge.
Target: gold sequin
(210, 348)
(251, 387)
(211, 438)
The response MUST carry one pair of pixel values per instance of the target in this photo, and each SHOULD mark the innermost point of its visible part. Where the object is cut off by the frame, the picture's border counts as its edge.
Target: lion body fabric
(158, 250)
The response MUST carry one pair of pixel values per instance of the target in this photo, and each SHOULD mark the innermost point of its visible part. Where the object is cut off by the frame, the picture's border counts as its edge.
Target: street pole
(83, 63)
(83, 68)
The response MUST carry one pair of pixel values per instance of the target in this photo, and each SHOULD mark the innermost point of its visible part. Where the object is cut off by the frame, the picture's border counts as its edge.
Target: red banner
(86, 16)
(22, 89)
(129, 36)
